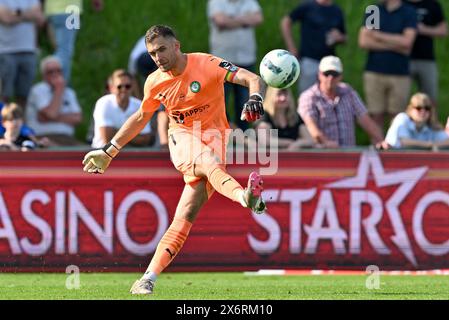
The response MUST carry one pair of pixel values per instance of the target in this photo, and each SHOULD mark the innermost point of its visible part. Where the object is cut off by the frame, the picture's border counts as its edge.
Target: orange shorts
(186, 150)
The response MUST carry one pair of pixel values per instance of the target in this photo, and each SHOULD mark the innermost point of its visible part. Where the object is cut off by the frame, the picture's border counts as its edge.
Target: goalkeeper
(191, 88)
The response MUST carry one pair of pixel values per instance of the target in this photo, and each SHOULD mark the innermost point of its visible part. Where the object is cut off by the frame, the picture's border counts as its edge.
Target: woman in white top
(417, 127)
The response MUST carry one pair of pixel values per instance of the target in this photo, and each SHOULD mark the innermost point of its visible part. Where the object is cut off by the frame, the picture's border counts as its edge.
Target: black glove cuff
(111, 150)
(257, 97)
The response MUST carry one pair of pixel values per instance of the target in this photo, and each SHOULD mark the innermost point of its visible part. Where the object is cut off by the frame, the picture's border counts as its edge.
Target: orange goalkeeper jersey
(195, 95)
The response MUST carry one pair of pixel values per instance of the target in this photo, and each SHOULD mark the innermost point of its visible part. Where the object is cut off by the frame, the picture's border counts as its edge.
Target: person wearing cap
(330, 107)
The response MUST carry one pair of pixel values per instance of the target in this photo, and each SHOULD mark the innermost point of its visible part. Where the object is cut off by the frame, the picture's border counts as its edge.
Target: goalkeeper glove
(97, 161)
(253, 109)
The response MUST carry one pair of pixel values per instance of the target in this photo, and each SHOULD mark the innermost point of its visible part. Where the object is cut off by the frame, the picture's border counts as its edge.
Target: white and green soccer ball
(279, 68)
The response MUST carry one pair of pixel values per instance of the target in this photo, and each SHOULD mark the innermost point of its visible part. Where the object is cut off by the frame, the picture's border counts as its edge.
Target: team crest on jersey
(195, 86)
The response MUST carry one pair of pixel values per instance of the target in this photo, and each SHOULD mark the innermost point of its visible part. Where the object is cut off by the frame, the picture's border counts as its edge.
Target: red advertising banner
(343, 210)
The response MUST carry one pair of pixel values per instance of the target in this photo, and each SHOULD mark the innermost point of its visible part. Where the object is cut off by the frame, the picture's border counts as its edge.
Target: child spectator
(14, 137)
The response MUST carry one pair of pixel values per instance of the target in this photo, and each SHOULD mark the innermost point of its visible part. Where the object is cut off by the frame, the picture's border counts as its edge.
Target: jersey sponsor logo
(180, 117)
(228, 66)
(195, 86)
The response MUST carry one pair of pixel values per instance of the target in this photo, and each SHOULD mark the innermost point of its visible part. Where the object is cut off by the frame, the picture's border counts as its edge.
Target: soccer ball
(279, 69)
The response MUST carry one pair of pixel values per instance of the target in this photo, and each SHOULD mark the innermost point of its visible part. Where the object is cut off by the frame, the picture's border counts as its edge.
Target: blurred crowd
(398, 36)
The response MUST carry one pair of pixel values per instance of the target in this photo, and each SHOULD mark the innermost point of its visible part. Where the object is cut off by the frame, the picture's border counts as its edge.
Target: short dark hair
(159, 31)
(119, 73)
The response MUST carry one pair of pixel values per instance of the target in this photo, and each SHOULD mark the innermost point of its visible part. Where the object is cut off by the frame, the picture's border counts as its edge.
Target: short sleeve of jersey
(299, 12)
(412, 18)
(40, 96)
(438, 13)
(398, 130)
(102, 114)
(253, 6)
(341, 23)
(149, 103)
(214, 7)
(225, 70)
(357, 104)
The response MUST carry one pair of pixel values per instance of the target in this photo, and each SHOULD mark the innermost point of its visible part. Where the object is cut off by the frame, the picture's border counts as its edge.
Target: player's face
(164, 52)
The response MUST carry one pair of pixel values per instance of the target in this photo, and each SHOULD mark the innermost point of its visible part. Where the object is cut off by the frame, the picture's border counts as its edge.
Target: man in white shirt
(52, 108)
(232, 37)
(112, 110)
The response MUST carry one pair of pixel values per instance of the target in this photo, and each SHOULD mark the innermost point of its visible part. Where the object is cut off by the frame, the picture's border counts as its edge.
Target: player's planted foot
(142, 286)
(253, 193)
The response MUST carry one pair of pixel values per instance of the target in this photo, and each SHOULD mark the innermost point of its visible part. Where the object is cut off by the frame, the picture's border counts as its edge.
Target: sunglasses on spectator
(124, 86)
(53, 71)
(419, 108)
(331, 73)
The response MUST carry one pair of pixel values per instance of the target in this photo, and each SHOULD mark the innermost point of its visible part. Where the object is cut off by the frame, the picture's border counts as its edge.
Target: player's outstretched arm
(252, 81)
(253, 108)
(97, 161)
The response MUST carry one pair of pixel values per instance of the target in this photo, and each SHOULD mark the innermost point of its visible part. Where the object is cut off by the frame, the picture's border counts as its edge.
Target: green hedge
(106, 39)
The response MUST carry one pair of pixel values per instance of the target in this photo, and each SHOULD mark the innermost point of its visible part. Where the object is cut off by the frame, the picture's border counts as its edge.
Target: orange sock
(170, 244)
(224, 183)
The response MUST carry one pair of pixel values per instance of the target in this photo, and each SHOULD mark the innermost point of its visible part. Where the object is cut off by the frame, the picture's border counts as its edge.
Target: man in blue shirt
(322, 28)
(387, 73)
(431, 25)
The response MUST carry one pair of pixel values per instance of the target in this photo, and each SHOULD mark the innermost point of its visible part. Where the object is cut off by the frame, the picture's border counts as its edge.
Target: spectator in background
(322, 28)
(329, 108)
(232, 37)
(386, 79)
(14, 137)
(418, 126)
(112, 110)
(431, 24)
(280, 114)
(140, 66)
(63, 29)
(53, 109)
(24, 130)
(18, 21)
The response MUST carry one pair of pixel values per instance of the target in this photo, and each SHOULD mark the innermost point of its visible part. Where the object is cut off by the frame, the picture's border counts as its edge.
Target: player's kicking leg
(192, 199)
(224, 183)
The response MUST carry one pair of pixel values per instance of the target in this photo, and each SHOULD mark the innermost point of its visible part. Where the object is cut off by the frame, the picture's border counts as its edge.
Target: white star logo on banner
(407, 179)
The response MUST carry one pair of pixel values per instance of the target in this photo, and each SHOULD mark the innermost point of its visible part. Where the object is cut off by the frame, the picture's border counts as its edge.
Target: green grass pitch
(222, 286)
